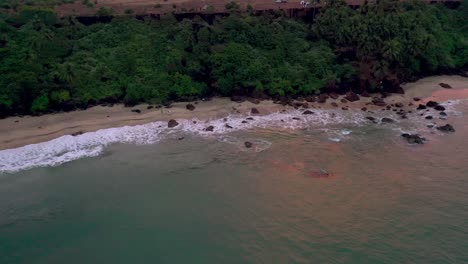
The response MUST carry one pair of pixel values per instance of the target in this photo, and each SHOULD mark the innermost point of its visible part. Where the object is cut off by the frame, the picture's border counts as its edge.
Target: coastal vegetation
(51, 64)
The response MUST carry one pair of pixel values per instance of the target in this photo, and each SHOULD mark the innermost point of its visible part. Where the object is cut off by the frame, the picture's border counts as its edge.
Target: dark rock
(416, 99)
(343, 100)
(136, 111)
(181, 138)
(413, 138)
(370, 118)
(237, 99)
(410, 104)
(446, 128)
(344, 108)
(444, 85)
(149, 107)
(364, 109)
(209, 129)
(334, 104)
(399, 104)
(322, 98)
(172, 123)
(248, 144)
(244, 122)
(378, 101)
(296, 118)
(365, 94)
(421, 107)
(129, 104)
(228, 126)
(249, 118)
(443, 114)
(439, 108)
(387, 120)
(254, 111)
(428, 117)
(333, 96)
(77, 133)
(432, 104)
(350, 96)
(308, 112)
(190, 107)
(311, 99)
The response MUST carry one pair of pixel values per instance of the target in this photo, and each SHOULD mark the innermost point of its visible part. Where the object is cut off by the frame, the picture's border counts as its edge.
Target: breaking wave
(69, 148)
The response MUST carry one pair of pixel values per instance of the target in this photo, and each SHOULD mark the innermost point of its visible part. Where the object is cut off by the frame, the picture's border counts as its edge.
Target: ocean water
(328, 188)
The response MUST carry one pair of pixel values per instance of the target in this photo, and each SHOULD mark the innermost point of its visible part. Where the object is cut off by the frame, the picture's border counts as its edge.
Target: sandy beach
(21, 131)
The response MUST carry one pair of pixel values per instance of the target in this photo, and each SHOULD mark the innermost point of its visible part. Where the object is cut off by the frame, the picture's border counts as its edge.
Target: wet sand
(20, 131)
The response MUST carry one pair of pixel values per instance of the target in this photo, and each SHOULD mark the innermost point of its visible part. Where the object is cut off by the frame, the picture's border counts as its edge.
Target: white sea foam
(69, 148)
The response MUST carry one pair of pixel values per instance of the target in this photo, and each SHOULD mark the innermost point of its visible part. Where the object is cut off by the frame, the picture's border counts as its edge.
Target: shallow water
(307, 192)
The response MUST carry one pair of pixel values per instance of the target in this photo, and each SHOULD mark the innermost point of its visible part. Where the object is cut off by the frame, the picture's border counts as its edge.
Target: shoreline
(20, 131)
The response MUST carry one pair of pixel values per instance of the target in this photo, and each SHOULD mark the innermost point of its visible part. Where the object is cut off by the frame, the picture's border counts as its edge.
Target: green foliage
(47, 63)
(105, 12)
(40, 104)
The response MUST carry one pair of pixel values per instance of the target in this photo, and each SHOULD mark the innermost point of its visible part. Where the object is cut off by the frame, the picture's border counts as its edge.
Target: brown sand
(20, 131)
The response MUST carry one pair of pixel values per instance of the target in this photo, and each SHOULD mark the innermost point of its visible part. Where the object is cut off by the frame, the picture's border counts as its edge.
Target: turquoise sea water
(211, 200)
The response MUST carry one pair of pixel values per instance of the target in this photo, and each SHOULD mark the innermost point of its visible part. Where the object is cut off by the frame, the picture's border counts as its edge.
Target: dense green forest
(49, 64)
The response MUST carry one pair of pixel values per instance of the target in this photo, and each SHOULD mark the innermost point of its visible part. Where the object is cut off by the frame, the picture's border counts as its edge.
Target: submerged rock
(307, 112)
(138, 111)
(413, 138)
(334, 104)
(428, 117)
(172, 123)
(371, 118)
(209, 129)
(228, 126)
(254, 111)
(190, 107)
(248, 144)
(149, 107)
(77, 133)
(416, 99)
(446, 128)
(399, 104)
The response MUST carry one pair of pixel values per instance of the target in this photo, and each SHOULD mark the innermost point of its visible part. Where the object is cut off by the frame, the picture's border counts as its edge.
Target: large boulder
(432, 104)
(350, 96)
(190, 107)
(387, 120)
(172, 123)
